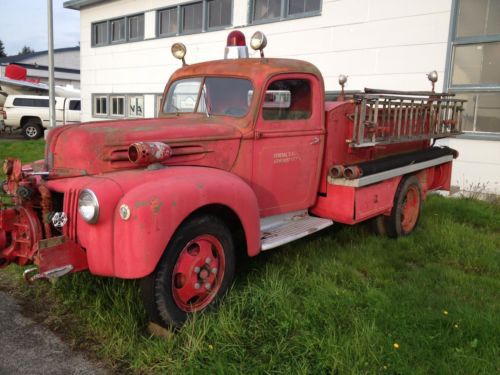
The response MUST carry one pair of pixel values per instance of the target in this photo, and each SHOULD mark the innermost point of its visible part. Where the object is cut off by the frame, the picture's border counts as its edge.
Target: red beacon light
(236, 47)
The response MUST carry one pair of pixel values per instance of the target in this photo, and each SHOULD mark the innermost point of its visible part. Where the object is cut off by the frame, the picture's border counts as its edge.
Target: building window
(100, 33)
(117, 105)
(297, 7)
(100, 105)
(167, 21)
(119, 30)
(219, 13)
(266, 9)
(474, 68)
(136, 106)
(136, 27)
(194, 17)
(274, 10)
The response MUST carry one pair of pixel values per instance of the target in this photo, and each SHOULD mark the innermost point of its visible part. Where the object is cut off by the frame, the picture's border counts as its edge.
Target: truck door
(288, 145)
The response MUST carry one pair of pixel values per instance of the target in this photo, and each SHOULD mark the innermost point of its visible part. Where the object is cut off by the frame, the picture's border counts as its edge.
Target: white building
(66, 65)
(390, 44)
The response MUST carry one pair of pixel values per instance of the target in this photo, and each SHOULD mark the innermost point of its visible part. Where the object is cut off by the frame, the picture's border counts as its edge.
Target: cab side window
(74, 105)
(288, 99)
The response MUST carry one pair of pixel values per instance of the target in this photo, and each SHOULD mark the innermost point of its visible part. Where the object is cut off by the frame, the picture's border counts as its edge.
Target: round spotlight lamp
(179, 51)
(258, 42)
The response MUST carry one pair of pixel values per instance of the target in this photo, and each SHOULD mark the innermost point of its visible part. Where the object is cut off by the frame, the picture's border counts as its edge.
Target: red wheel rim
(411, 206)
(198, 273)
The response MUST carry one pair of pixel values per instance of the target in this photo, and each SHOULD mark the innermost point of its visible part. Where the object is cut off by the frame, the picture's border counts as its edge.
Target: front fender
(158, 207)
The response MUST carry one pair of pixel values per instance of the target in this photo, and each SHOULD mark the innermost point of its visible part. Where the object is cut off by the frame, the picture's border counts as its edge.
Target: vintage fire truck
(246, 155)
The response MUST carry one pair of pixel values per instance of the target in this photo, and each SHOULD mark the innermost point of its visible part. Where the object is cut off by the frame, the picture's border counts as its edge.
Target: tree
(2, 50)
(26, 50)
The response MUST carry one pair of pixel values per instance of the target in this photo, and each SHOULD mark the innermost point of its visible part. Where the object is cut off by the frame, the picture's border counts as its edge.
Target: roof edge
(78, 4)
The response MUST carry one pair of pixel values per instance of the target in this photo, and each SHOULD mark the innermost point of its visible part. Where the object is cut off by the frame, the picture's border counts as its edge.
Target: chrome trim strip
(377, 177)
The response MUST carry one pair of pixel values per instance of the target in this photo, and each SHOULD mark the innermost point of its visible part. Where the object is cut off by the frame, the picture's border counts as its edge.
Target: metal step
(281, 229)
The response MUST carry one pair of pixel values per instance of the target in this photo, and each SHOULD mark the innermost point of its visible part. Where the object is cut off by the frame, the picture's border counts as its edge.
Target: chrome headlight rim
(95, 216)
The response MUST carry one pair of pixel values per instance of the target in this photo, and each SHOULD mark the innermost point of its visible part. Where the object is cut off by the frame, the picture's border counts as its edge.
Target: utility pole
(52, 96)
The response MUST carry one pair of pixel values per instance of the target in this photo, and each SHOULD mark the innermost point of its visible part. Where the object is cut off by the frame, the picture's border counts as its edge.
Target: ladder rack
(387, 117)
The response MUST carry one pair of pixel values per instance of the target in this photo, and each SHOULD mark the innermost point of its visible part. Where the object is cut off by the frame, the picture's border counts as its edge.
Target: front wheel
(407, 207)
(196, 269)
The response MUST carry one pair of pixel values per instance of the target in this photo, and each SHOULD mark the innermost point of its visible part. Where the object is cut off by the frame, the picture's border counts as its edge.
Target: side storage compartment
(351, 204)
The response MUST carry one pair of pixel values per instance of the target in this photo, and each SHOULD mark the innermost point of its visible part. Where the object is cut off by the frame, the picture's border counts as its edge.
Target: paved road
(29, 348)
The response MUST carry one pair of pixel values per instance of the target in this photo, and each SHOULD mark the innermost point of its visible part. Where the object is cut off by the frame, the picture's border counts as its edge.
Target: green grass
(27, 151)
(336, 302)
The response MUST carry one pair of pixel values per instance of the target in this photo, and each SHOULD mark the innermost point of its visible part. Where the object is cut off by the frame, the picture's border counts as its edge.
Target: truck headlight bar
(88, 206)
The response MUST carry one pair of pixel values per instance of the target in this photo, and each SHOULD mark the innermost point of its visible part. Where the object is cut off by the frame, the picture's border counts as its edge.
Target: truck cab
(245, 156)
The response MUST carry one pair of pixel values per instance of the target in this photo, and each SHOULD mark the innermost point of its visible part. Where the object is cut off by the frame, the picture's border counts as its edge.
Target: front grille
(71, 209)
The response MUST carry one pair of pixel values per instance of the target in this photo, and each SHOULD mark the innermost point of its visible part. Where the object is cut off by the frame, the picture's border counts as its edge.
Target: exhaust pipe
(352, 172)
(336, 171)
(145, 153)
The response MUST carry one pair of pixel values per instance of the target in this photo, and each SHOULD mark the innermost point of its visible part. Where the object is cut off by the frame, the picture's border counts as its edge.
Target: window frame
(180, 26)
(127, 27)
(158, 22)
(117, 96)
(93, 33)
(471, 89)
(207, 17)
(100, 96)
(128, 102)
(127, 39)
(284, 13)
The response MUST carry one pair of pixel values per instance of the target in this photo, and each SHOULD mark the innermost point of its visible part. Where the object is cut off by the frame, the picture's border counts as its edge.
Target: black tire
(32, 129)
(160, 290)
(397, 224)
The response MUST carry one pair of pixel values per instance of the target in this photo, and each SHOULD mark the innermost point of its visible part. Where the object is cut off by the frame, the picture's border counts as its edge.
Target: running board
(281, 229)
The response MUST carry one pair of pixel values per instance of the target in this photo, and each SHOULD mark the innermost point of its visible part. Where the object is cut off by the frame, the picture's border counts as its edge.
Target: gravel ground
(29, 348)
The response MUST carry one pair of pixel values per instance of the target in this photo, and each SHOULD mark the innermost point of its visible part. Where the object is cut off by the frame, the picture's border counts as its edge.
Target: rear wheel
(32, 129)
(195, 271)
(405, 213)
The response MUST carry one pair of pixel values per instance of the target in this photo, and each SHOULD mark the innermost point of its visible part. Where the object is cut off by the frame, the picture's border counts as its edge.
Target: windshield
(212, 95)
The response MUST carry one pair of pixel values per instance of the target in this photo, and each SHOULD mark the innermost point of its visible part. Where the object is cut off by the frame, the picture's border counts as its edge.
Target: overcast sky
(24, 23)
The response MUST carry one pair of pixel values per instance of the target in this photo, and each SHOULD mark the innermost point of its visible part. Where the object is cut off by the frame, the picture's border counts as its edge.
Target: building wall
(64, 59)
(378, 43)
(389, 44)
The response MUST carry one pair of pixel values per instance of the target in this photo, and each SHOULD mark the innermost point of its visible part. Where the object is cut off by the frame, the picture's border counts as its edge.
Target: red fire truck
(246, 155)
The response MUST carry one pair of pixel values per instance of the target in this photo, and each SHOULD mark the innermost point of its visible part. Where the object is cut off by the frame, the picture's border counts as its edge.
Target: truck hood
(99, 147)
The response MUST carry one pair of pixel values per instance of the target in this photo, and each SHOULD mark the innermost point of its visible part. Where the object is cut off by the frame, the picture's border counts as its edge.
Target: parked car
(31, 113)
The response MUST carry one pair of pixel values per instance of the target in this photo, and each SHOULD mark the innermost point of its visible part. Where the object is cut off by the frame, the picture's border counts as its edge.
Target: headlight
(88, 206)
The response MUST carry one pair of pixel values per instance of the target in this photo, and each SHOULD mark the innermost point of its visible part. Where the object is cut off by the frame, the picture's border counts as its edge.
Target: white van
(31, 113)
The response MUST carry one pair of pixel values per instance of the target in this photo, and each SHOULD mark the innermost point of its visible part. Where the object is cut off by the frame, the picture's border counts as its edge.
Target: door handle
(314, 141)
